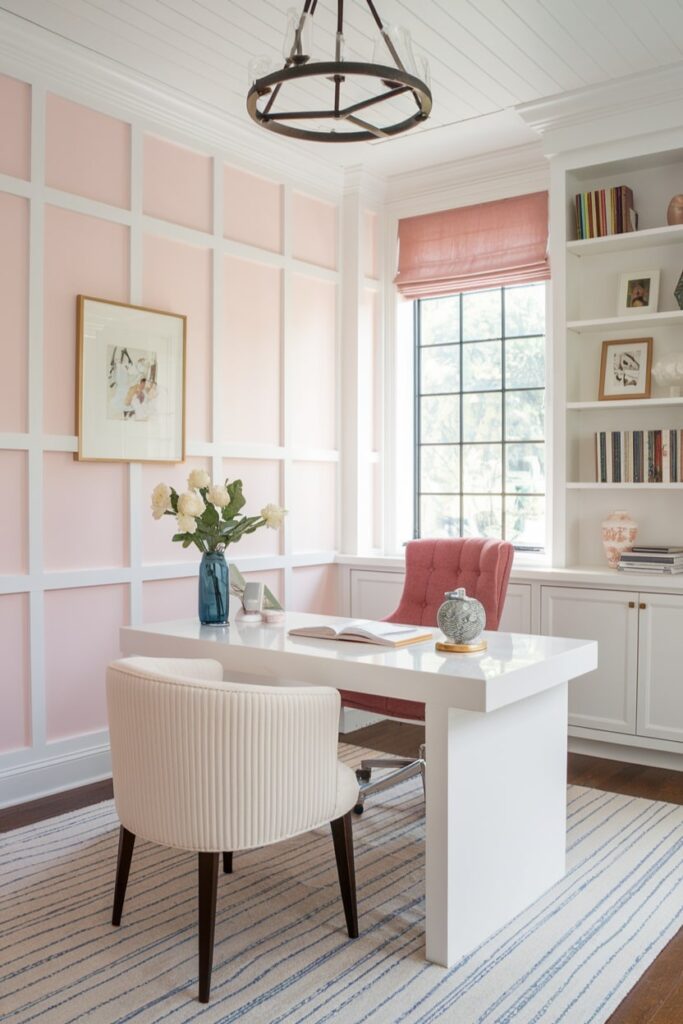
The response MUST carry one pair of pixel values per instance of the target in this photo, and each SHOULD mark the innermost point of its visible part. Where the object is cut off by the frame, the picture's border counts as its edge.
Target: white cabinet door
(374, 595)
(516, 616)
(660, 666)
(605, 698)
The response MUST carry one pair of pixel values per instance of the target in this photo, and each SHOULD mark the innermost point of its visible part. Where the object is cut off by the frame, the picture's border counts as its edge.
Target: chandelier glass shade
(337, 100)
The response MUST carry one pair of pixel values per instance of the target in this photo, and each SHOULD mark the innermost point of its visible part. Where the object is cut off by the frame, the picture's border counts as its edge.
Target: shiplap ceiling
(485, 56)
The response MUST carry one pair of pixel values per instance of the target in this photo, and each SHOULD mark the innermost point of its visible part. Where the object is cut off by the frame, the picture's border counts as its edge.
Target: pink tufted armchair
(434, 567)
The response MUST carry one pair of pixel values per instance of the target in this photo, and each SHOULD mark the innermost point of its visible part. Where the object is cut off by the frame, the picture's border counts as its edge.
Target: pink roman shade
(474, 247)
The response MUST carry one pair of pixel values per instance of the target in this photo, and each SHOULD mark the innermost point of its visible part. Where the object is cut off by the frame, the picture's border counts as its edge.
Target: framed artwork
(625, 369)
(131, 383)
(638, 292)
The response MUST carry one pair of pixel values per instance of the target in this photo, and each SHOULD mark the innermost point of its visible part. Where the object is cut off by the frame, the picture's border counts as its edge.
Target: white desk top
(514, 666)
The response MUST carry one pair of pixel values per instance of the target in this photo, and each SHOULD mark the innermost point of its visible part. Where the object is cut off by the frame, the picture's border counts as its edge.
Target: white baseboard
(54, 774)
(351, 719)
(624, 752)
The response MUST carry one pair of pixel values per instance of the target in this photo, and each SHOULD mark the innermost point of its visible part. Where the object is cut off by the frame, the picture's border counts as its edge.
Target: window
(480, 415)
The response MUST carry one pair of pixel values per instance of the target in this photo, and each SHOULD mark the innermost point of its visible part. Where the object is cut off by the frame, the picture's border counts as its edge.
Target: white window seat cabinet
(631, 707)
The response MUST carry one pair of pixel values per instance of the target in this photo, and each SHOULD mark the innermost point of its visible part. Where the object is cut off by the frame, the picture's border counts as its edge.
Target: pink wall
(94, 523)
(252, 210)
(14, 213)
(15, 118)
(86, 256)
(81, 637)
(313, 354)
(15, 720)
(14, 547)
(87, 153)
(73, 490)
(177, 278)
(252, 331)
(177, 184)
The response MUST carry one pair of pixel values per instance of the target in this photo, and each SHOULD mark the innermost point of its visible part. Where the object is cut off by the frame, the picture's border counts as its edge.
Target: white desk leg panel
(496, 817)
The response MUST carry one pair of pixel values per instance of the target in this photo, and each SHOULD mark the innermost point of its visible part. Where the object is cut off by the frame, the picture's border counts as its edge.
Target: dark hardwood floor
(657, 998)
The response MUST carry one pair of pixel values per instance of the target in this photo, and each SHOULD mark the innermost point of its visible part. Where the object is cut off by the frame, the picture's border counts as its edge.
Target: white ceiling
(486, 56)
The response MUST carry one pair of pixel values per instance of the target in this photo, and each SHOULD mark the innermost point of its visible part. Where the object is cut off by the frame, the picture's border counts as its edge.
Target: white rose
(161, 500)
(197, 479)
(273, 516)
(218, 496)
(186, 524)
(190, 504)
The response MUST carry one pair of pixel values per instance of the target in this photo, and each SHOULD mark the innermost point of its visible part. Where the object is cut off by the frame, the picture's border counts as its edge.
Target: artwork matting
(625, 369)
(130, 393)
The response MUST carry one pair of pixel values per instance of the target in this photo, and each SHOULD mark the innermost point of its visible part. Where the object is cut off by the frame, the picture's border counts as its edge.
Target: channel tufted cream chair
(211, 766)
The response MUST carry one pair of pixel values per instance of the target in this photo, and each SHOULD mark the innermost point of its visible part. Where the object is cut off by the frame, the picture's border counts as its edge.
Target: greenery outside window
(480, 415)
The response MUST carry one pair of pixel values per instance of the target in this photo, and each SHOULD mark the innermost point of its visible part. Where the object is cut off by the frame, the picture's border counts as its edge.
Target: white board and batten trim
(50, 766)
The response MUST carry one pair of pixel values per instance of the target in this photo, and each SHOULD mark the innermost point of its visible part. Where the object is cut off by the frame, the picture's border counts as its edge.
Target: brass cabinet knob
(632, 604)
(642, 605)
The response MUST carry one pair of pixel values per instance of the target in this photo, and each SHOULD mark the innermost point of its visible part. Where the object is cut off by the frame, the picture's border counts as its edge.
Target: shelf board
(585, 486)
(627, 403)
(673, 318)
(650, 237)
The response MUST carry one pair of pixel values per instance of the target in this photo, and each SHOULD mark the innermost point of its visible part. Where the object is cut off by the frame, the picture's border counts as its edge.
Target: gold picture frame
(130, 392)
(625, 369)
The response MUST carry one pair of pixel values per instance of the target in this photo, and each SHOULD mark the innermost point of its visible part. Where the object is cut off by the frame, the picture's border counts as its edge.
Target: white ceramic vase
(619, 533)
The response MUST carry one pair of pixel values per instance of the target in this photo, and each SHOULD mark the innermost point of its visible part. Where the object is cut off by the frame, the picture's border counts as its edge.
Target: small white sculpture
(668, 372)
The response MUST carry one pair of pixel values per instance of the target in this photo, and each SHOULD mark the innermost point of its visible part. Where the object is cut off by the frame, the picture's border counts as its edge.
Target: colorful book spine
(605, 211)
(639, 456)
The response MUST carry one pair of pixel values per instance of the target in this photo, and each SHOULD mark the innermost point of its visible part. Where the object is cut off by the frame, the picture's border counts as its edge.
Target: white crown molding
(34, 54)
(371, 188)
(495, 175)
(642, 103)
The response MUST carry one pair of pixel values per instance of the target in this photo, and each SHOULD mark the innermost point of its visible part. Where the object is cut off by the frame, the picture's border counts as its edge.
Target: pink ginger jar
(619, 534)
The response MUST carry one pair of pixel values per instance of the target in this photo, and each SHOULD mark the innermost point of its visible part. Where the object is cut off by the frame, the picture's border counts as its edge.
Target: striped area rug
(282, 956)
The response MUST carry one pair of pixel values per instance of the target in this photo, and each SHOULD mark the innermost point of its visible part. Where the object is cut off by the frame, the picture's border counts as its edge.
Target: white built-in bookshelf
(586, 315)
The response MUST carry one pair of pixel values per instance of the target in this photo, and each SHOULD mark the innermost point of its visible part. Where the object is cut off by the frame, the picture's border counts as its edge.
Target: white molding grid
(45, 767)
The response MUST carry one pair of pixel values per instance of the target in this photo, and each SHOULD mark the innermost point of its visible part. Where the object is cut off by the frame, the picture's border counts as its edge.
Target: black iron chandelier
(373, 86)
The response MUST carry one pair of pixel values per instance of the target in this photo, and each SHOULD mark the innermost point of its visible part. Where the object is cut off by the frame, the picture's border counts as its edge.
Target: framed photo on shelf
(130, 401)
(625, 369)
(638, 292)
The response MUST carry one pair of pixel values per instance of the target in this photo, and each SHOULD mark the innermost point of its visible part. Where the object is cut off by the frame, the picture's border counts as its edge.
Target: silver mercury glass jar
(461, 618)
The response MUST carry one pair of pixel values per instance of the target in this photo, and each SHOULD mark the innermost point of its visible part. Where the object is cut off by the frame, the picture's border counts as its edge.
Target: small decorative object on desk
(461, 619)
(674, 214)
(619, 534)
(209, 516)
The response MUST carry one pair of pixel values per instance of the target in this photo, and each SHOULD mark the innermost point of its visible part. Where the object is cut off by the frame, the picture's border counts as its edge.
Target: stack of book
(639, 456)
(607, 211)
(667, 561)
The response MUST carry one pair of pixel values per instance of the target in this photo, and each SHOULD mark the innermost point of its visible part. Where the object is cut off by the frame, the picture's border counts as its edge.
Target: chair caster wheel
(363, 774)
(358, 809)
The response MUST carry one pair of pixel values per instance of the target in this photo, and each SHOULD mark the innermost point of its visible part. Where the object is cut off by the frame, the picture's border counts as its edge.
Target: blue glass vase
(214, 589)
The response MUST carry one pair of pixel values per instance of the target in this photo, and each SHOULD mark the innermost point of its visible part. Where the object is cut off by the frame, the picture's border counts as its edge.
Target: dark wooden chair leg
(208, 884)
(126, 844)
(227, 863)
(342, 836)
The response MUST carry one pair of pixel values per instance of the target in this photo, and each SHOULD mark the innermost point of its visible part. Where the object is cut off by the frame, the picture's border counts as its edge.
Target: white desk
(496, 734)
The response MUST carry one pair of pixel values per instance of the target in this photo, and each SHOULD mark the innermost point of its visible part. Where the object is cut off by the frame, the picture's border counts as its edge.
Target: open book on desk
(365, 631)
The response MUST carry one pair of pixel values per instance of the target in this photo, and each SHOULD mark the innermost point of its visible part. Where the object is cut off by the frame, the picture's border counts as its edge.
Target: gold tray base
(461, 648)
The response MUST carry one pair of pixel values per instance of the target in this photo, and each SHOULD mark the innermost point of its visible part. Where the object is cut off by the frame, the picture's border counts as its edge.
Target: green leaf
(237, 499)
(210, 516)
(179, 536)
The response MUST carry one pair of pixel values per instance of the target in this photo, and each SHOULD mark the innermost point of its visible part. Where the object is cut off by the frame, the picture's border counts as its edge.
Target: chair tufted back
(433, 567)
